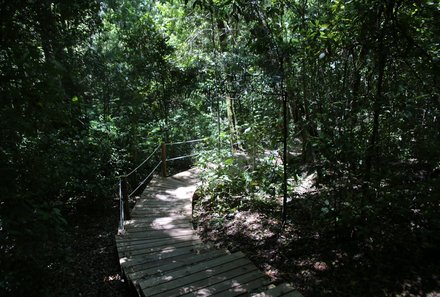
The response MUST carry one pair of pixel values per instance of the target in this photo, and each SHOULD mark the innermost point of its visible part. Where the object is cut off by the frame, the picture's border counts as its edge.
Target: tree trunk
(232, 120)
(372, 149)
(230, 110)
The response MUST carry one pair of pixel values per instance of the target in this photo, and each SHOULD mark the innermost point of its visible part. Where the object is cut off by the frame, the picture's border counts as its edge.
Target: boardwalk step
(172, 233)
(164, 254)
(162, 269)
(142, 250)
(166, 260)
(236, 286)
(200, 280)
(192, 269)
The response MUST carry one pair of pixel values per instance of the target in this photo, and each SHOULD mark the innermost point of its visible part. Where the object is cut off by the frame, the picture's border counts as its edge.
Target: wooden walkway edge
(161, 255)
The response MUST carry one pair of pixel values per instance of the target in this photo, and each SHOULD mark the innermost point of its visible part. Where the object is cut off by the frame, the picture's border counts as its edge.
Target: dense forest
(321, 121)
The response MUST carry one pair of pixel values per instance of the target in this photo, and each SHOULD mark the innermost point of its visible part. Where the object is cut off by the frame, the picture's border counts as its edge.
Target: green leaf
(229, 161)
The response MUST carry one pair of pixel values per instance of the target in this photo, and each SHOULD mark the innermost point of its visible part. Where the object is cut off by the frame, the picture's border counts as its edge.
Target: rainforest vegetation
(321, 128)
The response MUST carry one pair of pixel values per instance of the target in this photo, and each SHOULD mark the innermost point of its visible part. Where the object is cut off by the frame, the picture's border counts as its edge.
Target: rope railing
(143, 181)
(121, 209)
(182, 157)
(143, 162)
(166, 159)
(124, 195)
(186, 142)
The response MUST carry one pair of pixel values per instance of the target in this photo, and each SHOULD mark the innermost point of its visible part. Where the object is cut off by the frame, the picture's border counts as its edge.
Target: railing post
(124, 191)
(164, 159)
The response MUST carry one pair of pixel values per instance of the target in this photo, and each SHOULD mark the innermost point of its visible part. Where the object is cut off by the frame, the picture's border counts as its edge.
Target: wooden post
(124, 191)
(164, 159)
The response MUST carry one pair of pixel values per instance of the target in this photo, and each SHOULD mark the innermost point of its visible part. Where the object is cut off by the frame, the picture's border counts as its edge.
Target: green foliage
(236, 183)
(361, 82)
(90, 88)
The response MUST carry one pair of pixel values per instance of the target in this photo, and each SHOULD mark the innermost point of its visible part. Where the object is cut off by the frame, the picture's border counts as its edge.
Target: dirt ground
(316, 264)
(92, 264)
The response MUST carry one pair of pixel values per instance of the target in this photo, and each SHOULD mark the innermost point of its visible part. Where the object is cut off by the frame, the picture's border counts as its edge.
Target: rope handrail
(188, 141)
(143, 162)
(143, 182)
(123, 179)
(182, 157)
(121, 210)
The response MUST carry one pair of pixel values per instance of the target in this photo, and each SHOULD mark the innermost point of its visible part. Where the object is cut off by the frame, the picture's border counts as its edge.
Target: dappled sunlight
(183, 192)
(167, 250)
(304, 184)
(178, 232)
(163, 197)
(203, 292)
(162, 221)
(237, 287)
(186, 290)
(114, 278)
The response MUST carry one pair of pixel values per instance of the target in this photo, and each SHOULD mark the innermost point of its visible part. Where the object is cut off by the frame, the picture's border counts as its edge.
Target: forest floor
(92, 266)
(311, 259)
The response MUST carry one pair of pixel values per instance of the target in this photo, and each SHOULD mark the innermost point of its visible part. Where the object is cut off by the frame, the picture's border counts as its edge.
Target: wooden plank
(163, 240)
(258, 284)
(160, 203)
(152, 250)
(159, 219)
(162, 208)
(165, 261)
(153, 246)
(173, 180)
(140, 215)
(185, 228)
(153, 202)
(124, 243)
(193, 269)
(281, 290)
(140, 263)
(154, 230)
(157, 244)
(203, 276)
(150, 227)
(166, 200)
(162, 213)
(172, 233)
(234, 286)
(177, 264)
(156, 216)
(142, 227)
(168, 253)
(198, 281)
(164, 187)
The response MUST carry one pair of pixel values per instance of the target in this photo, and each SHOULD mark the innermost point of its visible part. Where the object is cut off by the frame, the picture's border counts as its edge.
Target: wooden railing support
(164, 159)
(124, 191)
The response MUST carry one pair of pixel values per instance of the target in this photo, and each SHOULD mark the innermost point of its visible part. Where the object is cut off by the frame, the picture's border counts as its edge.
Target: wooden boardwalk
(161, 255)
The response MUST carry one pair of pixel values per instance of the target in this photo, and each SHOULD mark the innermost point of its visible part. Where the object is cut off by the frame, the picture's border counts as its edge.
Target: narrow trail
(161, 255)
